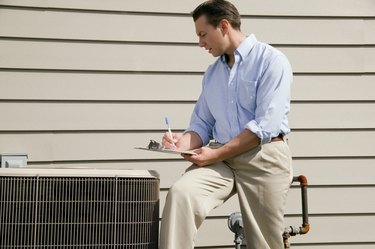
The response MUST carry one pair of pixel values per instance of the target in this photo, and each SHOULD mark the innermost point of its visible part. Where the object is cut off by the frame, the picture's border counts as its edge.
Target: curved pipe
(302, 179)
(305, 228)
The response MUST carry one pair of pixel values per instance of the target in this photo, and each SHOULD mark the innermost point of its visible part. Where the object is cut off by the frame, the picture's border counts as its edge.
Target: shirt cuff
(201, 133)
(254, 127)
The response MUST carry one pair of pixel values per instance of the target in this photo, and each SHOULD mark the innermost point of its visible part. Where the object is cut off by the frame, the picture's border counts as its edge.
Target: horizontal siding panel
(122, 57)
(310, 60)
(322, 115)
(336, 229)
(333, 87)
(95, 26)
(18, 85)
(369, 62)
(120, 145)
(253, 7)
(330, 143)
(323, 230)
(150, 116)
(330, 200)
(99, 86)
(93, 56)
(322, 172)
(110, 27)
(334, 171)
(91, 116)
(369, 32)
(310, 31)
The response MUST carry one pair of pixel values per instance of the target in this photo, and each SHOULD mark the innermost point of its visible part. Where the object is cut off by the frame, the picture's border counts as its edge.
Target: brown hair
(217, 10)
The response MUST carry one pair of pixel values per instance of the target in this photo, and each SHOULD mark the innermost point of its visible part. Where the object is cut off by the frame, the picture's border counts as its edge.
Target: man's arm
(245, 141)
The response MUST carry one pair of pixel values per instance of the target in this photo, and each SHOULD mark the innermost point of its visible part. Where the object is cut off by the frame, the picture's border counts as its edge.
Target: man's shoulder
(265, 53)
(267, 49)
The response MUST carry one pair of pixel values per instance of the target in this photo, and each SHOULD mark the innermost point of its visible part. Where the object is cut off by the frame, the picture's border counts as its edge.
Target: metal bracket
(13, 160)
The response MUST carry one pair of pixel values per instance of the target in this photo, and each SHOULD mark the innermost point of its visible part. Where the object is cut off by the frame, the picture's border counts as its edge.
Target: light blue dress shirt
(254, 94)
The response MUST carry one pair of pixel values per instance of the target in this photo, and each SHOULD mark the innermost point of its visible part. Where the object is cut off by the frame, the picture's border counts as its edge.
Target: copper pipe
(305, 228)
(305, 213)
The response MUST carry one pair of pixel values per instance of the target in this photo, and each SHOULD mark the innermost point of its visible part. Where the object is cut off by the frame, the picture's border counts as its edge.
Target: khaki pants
(261, 177)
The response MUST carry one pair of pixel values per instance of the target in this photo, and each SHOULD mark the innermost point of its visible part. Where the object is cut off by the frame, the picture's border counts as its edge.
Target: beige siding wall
(83, 82)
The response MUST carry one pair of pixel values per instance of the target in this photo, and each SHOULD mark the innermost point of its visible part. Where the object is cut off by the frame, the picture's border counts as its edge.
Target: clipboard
(168, 151)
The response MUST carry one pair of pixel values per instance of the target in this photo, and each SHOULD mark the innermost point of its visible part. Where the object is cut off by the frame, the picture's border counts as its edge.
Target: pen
(169, 130)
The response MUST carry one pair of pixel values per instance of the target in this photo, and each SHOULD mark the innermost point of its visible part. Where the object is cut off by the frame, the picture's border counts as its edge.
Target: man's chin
(215, 55)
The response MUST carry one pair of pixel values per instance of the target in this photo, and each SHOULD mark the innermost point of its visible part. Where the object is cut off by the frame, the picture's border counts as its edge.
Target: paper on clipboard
(169, 151)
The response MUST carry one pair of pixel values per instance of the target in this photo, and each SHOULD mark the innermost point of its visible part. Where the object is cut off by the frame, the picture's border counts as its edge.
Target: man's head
(217, 10)
(216, 22)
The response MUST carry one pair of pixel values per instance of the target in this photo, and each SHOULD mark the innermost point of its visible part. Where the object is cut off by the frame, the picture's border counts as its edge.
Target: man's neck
(230, 59)
(235, 39)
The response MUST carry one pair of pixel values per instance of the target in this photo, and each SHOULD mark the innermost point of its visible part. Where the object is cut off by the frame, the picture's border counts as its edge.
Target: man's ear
(224, 26)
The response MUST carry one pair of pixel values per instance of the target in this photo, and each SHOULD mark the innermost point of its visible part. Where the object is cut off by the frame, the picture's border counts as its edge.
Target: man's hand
(186, 141)
(245, 141)
(205, 156)
(167, 140)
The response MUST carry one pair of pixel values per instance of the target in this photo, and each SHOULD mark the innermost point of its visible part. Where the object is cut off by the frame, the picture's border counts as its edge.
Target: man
(243, 107)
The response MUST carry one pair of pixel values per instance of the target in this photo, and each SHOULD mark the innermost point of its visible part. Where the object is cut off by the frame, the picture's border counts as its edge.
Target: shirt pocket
(247, 94)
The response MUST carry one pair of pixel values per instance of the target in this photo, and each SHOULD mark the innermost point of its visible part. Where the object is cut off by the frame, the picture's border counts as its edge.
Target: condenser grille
(79, 212)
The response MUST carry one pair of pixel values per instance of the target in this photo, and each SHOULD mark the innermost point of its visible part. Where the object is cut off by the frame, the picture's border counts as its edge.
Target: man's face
(210, 38)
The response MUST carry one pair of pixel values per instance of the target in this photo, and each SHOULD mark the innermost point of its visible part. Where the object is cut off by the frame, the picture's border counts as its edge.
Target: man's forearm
(245, 141)
(189, 141)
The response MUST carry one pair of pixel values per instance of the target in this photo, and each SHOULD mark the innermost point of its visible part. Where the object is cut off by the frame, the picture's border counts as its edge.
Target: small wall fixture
(13, 160)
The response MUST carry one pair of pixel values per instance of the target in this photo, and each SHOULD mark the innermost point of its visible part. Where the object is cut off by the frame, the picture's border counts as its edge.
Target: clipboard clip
(153, 145)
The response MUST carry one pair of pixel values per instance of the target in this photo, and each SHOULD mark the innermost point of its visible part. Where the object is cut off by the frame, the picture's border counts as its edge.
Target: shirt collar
(244, 48)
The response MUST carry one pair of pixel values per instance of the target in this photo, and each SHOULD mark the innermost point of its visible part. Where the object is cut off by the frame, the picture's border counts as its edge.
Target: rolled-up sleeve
(273, 100)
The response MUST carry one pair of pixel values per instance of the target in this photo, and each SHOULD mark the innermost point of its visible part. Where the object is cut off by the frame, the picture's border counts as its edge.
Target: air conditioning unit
(78, 208)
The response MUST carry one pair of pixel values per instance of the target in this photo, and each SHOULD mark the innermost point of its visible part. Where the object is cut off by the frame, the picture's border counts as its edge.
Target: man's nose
(201, 43)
